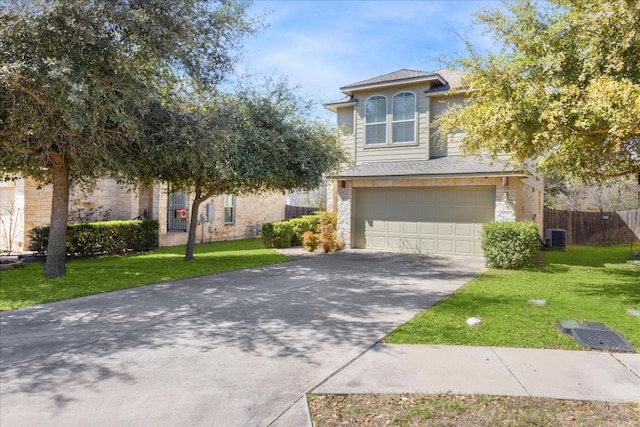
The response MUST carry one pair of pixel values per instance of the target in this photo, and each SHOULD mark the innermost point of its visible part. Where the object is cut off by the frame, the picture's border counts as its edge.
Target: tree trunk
(191, 240)
(56, 250)
(193, 225)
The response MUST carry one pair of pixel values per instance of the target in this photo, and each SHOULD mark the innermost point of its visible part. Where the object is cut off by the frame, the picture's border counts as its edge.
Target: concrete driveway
(233, 349)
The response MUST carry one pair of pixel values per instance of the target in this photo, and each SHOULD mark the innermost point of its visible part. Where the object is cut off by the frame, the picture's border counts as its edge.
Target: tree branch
(28, 91)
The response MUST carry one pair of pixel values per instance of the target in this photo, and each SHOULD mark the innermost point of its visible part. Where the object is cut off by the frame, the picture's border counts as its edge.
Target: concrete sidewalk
(559, 374)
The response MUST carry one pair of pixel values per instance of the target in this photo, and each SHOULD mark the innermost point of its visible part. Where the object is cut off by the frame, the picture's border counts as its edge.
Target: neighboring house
(23, 206)
(408, 191)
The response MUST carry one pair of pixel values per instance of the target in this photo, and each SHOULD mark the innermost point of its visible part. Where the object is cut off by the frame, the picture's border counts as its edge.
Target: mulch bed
(465, 411)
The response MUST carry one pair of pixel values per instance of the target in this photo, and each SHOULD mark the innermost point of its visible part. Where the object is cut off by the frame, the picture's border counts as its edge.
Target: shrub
(329, 241)
(510, 245)
(98, 238)
(328, 231)
(302, 225)
(277, 234)
(310, 240)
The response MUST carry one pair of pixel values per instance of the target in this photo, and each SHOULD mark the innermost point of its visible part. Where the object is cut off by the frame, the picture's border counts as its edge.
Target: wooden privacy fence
(595, 228)
(296, 211)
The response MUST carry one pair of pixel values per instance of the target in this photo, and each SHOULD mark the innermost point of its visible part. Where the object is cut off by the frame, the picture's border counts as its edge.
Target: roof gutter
(449, 175)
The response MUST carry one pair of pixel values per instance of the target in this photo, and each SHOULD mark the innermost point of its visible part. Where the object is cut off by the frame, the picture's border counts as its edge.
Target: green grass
(25, 286)
(582, 283)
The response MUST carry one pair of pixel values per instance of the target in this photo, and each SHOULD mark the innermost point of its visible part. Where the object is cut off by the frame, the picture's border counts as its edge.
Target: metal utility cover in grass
(594, 335)
(599, 339)
(567, 325)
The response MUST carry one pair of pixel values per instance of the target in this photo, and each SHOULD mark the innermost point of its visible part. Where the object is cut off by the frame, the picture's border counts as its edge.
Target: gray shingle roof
(444, 77)
(343, 101)
(442, 166)
(453, 78)
(403, 74)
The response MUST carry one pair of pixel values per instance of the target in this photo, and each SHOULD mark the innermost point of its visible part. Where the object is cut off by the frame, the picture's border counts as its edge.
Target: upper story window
(376, 120)
(404, 116)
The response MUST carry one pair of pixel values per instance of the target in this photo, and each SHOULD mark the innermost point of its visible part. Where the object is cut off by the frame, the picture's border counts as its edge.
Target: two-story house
(406, 190)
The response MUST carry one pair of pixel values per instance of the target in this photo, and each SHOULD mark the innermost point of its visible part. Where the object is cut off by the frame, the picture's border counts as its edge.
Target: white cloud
(322, 45)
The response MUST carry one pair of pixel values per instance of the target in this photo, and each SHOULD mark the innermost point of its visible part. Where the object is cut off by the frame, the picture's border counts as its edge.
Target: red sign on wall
(181, 214)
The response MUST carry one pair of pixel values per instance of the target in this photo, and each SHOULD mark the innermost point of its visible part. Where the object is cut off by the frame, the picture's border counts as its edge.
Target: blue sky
(323, 45)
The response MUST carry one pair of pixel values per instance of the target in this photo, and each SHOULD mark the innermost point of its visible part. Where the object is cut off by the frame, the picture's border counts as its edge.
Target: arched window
(376, 120)
(404, 117)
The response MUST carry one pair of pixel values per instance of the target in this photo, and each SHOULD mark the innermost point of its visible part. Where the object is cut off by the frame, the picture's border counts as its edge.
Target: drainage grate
(594, 335)
(601, 339)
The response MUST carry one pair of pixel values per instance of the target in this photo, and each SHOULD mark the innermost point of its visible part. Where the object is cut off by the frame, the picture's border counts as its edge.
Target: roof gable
(442, 80)
(397, 77)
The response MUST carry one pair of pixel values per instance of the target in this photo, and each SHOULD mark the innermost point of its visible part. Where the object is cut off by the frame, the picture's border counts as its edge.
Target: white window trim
(385, 122)
(389, 123)
(415, 115)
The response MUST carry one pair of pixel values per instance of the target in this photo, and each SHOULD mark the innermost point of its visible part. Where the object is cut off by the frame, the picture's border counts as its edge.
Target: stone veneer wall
(520, 199)
(106, 195)
(121, 202)
(251, 213)
(35, 207)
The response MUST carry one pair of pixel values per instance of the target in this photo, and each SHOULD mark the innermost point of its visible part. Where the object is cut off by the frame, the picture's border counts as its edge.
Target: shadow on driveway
(230, 349)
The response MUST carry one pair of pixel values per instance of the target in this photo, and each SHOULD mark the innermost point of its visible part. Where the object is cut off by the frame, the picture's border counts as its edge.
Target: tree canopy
(251, 141)
(563, 90)
(78, 79)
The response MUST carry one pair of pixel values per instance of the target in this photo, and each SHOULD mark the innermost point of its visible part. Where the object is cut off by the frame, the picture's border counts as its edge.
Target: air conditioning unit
(556, 238)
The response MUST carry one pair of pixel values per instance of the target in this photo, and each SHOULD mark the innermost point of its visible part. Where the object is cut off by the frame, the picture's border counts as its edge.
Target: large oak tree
(564, 88)
(78, 78)
(257, 139)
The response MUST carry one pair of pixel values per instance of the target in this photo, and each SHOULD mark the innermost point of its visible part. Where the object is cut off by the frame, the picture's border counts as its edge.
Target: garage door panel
(465, 230)
(378, 226)
(464, 247)
(411, 244)
(445, 229)
(428, 229)
(410, 227)
(444, 246)
(427, 245)
(446, 220)
(394, 243)
(394, 227)
(377, 242)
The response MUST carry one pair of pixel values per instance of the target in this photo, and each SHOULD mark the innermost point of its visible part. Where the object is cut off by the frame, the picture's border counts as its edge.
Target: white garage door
(441, 220)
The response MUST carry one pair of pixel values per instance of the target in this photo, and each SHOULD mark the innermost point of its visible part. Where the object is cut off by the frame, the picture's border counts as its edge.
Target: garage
(444, 220)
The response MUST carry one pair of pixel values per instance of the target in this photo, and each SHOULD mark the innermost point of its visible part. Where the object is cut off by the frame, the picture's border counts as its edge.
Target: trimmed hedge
(302, 225)
(510, 245)
(277, 234)
(99, 238)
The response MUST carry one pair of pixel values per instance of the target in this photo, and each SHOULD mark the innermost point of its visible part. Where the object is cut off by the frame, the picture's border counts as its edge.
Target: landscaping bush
(328, 231)
(302, 225)
(314, 220)
(98, 238)
(510, 245)
(310, 240)
(277, 234)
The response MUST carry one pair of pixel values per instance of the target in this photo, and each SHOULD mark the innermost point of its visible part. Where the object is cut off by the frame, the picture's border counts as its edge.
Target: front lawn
(582, 283)
(24, 286)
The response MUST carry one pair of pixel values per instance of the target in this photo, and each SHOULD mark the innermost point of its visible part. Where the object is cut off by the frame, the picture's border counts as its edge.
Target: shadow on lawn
(624, 285)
